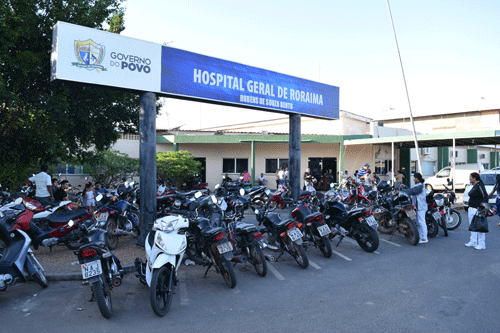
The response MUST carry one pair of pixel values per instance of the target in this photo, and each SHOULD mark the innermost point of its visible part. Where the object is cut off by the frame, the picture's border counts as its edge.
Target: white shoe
(423, 241)
(470, 244)
(480, 247)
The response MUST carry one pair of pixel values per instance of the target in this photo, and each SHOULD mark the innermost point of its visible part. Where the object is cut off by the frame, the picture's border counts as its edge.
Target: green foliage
(108, 167)
(43, 121)
(176, 165)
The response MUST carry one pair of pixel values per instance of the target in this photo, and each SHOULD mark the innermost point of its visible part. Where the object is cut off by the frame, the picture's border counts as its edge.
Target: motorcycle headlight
(159, 242)
(177, 203)
(168, 226)
(440, 202)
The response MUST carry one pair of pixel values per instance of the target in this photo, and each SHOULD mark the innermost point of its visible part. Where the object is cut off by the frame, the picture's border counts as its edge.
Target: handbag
(479, 224)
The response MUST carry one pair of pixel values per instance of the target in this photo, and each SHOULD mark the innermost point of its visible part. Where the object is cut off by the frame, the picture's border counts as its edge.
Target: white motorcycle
(165, 246)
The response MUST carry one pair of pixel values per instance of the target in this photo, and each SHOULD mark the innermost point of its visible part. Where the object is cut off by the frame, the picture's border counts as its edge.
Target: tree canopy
(43, 121)
(109, 167)
(176, 165)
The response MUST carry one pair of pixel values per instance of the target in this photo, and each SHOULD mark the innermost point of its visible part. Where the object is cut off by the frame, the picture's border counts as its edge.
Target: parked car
(489, 179)
(462, 172)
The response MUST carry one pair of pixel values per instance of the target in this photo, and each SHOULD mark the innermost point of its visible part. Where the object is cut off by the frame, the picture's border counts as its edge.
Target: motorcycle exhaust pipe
(119, 232)
(117, 282)
(241, 259)
(5, 279)
(271, 247)
(270, 258)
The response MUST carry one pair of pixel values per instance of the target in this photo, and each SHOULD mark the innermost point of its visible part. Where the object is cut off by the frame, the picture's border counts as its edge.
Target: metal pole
(393, 170)
(252, 162)
(294, 155)
(453, 164)
(419, 169)
(340, 172)
(147, 166)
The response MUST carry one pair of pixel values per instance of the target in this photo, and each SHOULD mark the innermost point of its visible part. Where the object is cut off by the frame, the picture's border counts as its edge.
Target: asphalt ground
(441, 286)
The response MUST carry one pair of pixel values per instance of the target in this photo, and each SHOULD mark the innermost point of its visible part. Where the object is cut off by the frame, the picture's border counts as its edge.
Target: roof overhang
(478, 138)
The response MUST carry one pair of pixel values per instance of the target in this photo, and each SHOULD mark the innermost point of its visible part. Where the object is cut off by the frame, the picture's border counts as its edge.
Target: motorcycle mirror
(217, 186)
(256, 212)
(242, 191)
(331, 185)
(71, 223)
(197, 194)
(99, 197)
(18, 201)
(214, 199)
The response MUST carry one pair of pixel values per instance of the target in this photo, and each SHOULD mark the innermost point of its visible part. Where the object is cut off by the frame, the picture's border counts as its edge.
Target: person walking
(44, 194)
(477, 196)
(418, 193)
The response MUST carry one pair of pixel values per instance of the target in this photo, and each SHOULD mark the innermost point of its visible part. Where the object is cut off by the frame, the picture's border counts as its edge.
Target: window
(382, 166)
(234, 165)
(272, 164)
(69, 169)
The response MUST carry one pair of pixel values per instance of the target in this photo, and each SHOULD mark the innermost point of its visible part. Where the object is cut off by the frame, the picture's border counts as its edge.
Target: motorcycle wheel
(432, 227)
(103, 299)
(161, 292)
(299, 254)
(410, 230)
(257, 259)
(112, 239)
(369, 243)
(454, 220)
(272, 206)
(443, 225)
(325, 247)
(225, 268)
(39, 276)
(257, 203)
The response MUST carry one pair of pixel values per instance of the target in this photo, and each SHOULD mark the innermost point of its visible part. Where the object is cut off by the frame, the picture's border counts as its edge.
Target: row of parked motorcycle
(209, 230)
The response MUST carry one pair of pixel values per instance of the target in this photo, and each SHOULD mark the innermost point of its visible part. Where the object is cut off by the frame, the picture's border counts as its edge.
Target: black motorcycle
(314, 228)
(248, 244)
(284, 236)
(357, 224)
(433, 218)
(100, 267)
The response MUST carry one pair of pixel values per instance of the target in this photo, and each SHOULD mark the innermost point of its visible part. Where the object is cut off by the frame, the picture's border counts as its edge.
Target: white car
(489, 179)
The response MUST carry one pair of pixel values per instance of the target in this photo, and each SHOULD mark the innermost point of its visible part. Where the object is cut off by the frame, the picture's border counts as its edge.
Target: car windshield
(489, 179)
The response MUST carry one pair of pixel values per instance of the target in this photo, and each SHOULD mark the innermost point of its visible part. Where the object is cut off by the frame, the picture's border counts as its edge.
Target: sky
(450, 51)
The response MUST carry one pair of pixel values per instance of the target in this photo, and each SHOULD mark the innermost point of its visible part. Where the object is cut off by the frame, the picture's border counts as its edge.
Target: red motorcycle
(356, 196)
(279, 197)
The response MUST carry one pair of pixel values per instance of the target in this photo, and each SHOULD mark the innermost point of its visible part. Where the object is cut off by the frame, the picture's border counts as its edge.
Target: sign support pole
(147, 167)
(294, 142)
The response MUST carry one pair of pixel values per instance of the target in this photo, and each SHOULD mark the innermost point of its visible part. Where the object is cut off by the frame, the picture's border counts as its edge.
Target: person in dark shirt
(477, 195)
(61, 194)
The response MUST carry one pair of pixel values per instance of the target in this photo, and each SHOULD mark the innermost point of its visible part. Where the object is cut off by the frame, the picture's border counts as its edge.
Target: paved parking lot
(441, 286)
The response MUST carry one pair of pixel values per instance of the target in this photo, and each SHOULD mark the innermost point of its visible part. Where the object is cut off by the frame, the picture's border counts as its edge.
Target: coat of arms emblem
(89, 54)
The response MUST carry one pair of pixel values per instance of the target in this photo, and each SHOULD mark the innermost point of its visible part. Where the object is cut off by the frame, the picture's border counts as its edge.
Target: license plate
(268, 191)
(371, 221)
(103, 217)
(294, 234)
(437, 216)
(324, 230)
(225, 247)
(411, 213)
(91, 269)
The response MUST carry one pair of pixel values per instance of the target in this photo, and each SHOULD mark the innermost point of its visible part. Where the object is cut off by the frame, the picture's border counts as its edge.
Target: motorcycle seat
(64, 217)
(185, 195)
(304, 193)
(245, 227)
(355, 211)
(284, 222)
(211, 231)
(313, 215)
(165, 198)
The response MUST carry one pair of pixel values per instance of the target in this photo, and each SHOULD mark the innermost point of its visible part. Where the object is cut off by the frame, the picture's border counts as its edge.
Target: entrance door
(319, 166)
(203, 168)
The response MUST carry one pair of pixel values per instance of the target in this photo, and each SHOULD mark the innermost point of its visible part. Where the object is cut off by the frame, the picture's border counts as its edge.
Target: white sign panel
(99, 57)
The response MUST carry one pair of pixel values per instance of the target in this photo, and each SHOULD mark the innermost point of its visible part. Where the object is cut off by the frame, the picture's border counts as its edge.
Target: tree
(176, 165)
(110, 166)
(43, 121)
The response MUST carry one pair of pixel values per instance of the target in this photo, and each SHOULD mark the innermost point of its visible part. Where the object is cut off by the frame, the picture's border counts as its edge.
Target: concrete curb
(78, 276)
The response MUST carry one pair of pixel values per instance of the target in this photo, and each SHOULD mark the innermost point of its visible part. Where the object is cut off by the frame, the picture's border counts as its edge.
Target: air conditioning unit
(426, 151)
(482, 155)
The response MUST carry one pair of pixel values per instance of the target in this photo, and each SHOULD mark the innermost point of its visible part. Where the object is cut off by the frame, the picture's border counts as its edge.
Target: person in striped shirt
(363, 172)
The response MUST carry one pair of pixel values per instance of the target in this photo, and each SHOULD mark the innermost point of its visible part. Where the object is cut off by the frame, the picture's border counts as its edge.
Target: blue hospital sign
(98, 57)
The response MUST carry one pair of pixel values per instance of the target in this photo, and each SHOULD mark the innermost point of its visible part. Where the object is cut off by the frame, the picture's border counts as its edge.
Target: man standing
(363, 172)
(43, 183)
(61, 194)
